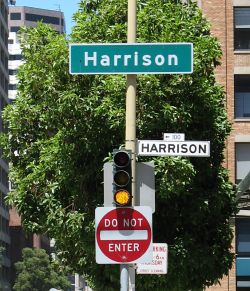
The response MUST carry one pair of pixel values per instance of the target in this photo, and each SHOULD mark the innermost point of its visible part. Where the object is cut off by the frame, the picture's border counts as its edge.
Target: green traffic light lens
(121, 178)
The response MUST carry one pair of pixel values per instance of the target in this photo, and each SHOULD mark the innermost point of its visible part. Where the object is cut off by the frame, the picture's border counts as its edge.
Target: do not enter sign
(123, 235)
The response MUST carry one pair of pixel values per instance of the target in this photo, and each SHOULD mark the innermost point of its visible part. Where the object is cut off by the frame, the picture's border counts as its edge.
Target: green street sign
(123, 58)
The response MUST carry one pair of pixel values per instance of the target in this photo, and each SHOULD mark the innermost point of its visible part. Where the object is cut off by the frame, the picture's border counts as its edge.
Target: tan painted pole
(130, 136)
(127, 272)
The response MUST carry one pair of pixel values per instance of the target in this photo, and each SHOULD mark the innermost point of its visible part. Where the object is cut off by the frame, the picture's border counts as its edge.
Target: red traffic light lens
(121, 159)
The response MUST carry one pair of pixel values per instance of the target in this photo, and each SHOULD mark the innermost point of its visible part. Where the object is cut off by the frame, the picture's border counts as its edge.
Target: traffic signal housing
(122, 179)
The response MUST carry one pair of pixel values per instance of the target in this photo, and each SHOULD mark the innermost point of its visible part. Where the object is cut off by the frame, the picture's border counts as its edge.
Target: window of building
(3, 103)
(1, 198)
(43, 18)
(3, 80)
(2, 8)
(12, 72)
(243, 254)
(2, 201)
(14, 28)
(12, 86)
(6, 84)
(4, 273)
(6, 248)
(6, 63)
(15, 57)
(5, 225)
(4, 178)
(15, 16)
(242, 157)
(242, 96)
(10, 41)
(6, 36)
(2, 32)
(4, 11)
(2, 56)
(243, 237)
(242, 28)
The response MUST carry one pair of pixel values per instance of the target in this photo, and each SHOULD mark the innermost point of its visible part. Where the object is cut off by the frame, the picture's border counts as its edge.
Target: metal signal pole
(130, 136)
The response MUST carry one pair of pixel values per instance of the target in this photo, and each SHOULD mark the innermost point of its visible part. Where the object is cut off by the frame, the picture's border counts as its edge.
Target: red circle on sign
(123, 235)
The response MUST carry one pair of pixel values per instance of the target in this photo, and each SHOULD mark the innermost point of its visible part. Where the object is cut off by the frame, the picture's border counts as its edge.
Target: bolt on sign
(123, 235)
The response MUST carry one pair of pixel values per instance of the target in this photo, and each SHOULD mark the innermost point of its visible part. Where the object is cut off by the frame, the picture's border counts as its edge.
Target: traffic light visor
(121, 159)
(122, 197)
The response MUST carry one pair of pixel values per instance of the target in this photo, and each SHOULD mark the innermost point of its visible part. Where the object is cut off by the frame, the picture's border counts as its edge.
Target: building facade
(230, 23)
(27, 16)
(24, 16)
(15, 60)
(4, 185)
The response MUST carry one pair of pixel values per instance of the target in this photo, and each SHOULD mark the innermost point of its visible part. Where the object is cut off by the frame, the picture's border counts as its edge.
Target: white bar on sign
(123, 235)
(174, 136)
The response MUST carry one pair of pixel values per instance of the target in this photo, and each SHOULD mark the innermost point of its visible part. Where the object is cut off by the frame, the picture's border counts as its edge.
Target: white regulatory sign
(159, 264)
(176, 148)
(174, 136)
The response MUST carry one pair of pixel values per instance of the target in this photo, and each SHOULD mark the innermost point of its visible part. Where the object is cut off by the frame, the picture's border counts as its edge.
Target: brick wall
(220, 15)
(241, 60)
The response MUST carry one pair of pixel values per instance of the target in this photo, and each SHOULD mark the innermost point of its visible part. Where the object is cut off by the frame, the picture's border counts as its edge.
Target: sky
(68, 7)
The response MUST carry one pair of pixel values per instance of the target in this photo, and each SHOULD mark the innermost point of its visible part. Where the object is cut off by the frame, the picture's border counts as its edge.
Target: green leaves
(37, 273)
(61, 128)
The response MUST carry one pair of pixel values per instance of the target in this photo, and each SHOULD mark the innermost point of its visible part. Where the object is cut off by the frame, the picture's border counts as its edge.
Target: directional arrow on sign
(174, 136)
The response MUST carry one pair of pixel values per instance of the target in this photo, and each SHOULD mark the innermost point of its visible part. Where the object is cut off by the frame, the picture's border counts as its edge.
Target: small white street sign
(159, 264)
(174, 136)
(176, 148)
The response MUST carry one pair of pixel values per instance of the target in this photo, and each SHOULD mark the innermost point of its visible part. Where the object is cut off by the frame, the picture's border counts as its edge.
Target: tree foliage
(61, 128)
(37, 273)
